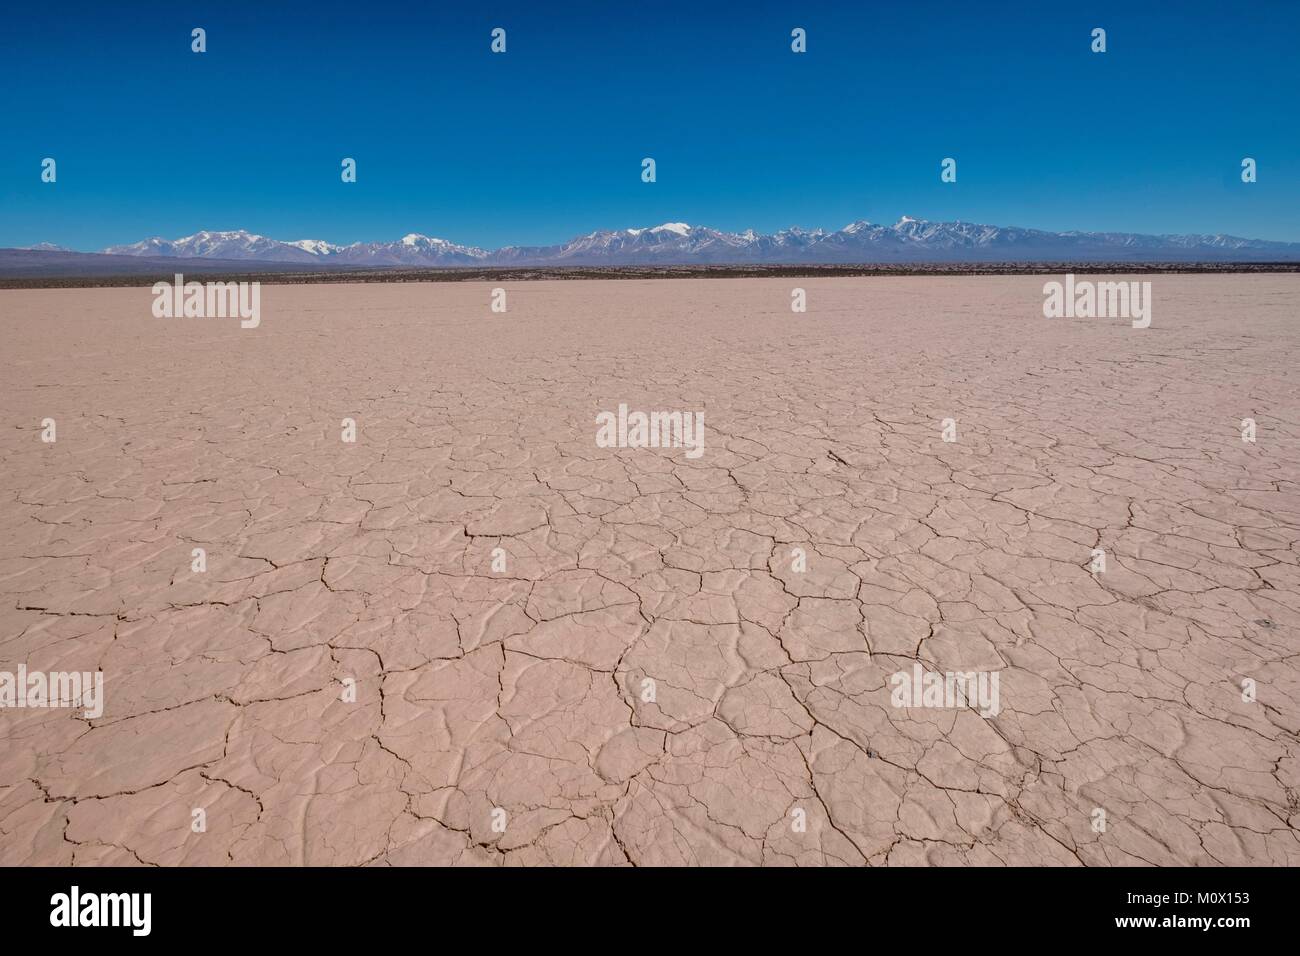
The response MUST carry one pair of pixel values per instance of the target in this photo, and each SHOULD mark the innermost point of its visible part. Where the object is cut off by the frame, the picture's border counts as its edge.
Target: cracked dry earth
(523, 690)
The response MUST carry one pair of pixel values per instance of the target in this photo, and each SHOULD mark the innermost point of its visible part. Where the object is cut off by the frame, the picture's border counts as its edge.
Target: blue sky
(545, 142)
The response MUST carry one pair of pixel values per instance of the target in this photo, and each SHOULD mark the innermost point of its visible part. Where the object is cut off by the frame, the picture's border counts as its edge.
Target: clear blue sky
(545, 142)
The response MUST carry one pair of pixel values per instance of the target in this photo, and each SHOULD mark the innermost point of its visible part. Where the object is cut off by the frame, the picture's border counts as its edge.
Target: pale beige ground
(522, 690)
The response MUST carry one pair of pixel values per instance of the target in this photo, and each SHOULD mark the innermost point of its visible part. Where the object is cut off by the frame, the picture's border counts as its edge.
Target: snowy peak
(677, 228)
(415, 239)
(316, 247)
(413, 249)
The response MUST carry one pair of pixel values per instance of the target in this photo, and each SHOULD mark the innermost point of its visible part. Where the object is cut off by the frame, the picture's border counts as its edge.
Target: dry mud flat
(501, 716)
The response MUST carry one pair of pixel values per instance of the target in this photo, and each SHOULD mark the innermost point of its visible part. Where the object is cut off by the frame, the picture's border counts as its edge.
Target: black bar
(334, 906)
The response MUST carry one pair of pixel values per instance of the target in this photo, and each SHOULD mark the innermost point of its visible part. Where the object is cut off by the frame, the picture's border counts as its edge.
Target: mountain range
(676, 243)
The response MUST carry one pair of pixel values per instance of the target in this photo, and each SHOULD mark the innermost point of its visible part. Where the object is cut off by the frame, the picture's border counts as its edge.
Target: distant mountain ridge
(676, 243)
(45, 247)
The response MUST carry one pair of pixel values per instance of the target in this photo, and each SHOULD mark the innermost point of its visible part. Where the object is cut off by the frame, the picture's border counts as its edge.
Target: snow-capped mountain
(672, 242)
(217, 245)
(677, 243)
(412, 249)
(908, 240)
(44, 247)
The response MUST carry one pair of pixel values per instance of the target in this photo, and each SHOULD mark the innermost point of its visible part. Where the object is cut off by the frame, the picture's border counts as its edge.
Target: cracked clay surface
(516, 697)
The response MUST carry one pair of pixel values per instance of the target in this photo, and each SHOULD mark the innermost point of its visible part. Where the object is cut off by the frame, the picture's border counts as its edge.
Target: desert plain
(473, 635)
